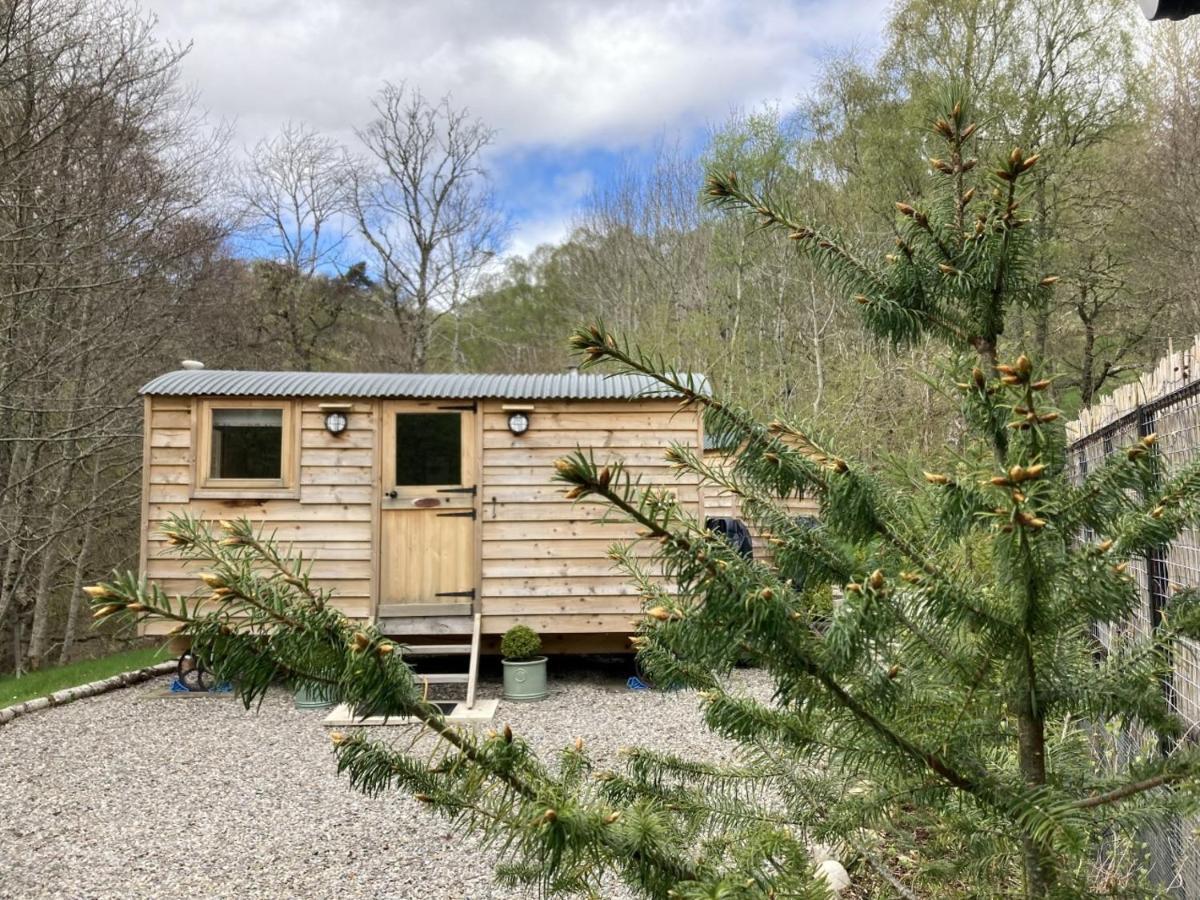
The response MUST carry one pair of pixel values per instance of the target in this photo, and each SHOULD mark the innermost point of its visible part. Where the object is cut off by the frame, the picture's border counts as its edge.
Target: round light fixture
(335, 422)
(518, 423)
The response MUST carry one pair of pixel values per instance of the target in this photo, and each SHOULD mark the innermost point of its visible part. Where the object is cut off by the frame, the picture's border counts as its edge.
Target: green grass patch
(47, 681)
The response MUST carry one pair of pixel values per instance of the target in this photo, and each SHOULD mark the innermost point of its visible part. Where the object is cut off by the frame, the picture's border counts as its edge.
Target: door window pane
(428, 448)
(247, 443)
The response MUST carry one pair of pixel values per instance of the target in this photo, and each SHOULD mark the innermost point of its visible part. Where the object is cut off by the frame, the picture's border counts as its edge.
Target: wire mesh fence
(1166, 403)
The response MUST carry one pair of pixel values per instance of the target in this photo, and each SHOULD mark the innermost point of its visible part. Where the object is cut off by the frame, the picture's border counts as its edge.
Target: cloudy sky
(572, 87)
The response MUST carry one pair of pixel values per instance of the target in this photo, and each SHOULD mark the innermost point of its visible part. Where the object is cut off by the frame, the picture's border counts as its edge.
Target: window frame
(470, 421)
(206, 486)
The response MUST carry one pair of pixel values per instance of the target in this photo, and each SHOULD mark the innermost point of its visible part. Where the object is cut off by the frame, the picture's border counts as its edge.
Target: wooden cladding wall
(331, 521)
(543, 558)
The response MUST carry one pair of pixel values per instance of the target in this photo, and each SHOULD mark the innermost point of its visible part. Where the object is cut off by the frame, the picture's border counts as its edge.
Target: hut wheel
(192, 674)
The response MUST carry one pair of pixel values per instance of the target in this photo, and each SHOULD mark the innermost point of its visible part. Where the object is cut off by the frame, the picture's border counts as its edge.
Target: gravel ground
(136, 795)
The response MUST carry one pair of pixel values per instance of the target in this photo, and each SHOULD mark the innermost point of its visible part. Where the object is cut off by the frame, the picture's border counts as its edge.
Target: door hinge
(470, 593)
(462, 490)
(461, 514)
(459, 408)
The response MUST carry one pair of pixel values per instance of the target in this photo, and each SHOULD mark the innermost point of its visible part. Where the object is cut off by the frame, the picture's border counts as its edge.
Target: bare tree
(105, 177)
(295, 190)
(424, 206)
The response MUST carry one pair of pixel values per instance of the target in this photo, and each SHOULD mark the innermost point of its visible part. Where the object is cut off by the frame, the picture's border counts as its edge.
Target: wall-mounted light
(337, 416)
(518, 418)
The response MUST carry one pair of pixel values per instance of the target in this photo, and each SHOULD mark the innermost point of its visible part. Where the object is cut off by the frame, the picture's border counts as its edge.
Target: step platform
(343, 716)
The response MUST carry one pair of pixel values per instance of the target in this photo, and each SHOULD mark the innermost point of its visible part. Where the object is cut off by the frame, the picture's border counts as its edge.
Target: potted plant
(524, 669)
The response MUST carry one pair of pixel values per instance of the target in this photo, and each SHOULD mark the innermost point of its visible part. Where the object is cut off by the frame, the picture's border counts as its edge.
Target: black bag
(734, 531)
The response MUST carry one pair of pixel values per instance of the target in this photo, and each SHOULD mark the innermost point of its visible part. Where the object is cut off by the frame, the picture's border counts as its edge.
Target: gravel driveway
(136, 795)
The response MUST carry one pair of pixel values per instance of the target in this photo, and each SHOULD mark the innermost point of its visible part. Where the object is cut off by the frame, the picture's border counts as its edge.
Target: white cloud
(544, 72)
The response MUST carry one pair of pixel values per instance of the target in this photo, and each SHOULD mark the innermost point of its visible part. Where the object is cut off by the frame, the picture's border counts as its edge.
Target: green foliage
(520, 642)
(47, 681)
(938, 699)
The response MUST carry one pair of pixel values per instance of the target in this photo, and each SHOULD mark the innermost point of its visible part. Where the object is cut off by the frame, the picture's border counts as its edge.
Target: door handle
(393, 494)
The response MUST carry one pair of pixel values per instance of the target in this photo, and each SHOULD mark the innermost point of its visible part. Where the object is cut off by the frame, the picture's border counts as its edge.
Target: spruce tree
(942, 720)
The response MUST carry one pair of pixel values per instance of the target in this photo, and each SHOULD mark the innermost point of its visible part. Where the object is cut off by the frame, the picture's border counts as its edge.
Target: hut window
(428, 448)
(247, 443)
(246, 448)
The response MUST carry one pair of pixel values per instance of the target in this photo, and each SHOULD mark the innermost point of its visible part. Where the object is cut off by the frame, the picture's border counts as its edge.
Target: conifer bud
(549, 817)
(1040, 385)
(957, 110)
(935, 478)
(1120, 568)
(212, 580)
(999, 481)
(1105, 546)
(911, 577)
(978, 377)
(1018, 497)
(1035, 471)
(574, 493)
(98, 591)
(1047, 417)
(135, 607)
(968, 196)
(359, 642)
(967, 166)
(660, 613)
(1030, 162)
(801, 234)
(1015, 156)
(508, 733)
(1135, 452)
(766, 594)
(611, 818)
(337, 738)
(578, 745)
(563, 465)
(385, 649)
(854, 587)
(422, 798)
(1024, 365)
(1150, 440)
(876, 580)
(1017, 474)
(105, 611)
(860, 299)
(1157, 512)
(968, 131)
(947, 269)
(1048, 280)
(893, 671)
(905, 210)
(175, 539)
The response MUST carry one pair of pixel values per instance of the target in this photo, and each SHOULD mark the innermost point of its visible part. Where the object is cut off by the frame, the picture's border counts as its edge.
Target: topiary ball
(520, 642)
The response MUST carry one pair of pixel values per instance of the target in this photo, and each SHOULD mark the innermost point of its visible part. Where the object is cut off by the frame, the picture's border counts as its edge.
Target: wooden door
(428, 510)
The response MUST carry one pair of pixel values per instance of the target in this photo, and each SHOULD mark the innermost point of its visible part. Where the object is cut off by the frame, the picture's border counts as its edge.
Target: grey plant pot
(524, 679)
(312, 698)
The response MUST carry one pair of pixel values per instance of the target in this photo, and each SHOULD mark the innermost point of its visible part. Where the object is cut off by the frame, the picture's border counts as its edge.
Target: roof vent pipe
(192, 364)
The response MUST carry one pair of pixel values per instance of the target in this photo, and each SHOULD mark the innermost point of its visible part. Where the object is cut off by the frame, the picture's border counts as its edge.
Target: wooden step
(441, 677)
(437, 649)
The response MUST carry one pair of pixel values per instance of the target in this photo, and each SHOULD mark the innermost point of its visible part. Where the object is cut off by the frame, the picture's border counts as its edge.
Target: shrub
(520, 642)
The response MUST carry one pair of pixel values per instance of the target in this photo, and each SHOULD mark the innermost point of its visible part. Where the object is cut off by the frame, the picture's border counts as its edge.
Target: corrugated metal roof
(556, 386)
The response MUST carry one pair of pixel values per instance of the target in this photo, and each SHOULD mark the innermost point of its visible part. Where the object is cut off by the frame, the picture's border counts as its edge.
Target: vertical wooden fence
(1165, 402)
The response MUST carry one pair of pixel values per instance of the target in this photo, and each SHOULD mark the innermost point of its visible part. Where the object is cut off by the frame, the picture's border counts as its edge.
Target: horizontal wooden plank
(265, 510)
(398, 610)
(591, 586)
(345, 456)
(323, 440)
(629, 606)
(545, 456)
(170, 456)
(618, 623)
(170, 474)
(540, 530)
(603, 438)
(171, 437)
(354, 550)
(162, 404)
(346, 590)
(347, 474)
(337, 493)
(581, 419)
(171, 418)
(557, 567)
(503, 494)
(320, 568)
(543, 476)
(522, 549)
(307, 533)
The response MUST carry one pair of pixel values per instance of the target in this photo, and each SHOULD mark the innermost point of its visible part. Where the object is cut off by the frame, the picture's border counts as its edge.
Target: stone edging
(69, 695)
